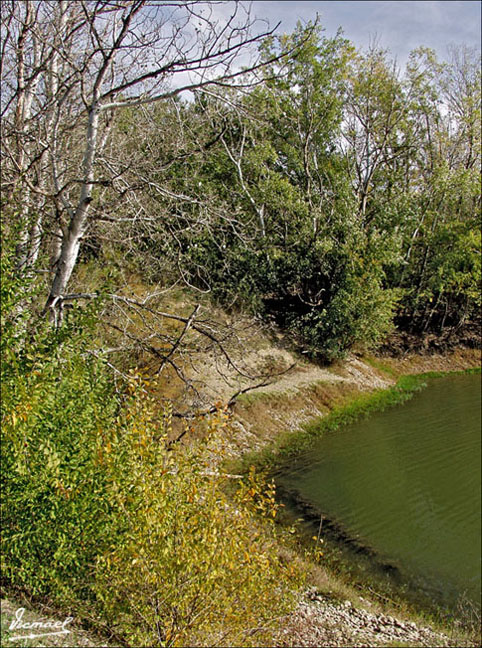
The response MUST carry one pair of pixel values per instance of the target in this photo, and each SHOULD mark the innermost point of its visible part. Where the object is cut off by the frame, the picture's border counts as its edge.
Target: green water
(407, 483)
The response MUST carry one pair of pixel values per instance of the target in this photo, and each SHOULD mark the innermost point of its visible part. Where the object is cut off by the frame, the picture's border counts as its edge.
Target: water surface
(407, 483)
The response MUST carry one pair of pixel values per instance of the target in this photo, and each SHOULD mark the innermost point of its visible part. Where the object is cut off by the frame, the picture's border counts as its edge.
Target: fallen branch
(232, 401)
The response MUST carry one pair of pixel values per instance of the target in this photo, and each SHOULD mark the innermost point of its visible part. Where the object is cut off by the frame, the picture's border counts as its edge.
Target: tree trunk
(71, 241)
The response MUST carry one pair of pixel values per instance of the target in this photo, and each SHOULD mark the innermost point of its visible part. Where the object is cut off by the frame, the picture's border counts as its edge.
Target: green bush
(329, 298)
(102, 515)
(55, 399)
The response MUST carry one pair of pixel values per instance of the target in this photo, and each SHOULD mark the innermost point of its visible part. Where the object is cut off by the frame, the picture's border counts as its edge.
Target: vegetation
(103, 515)
(273, 457)
(331, 192)
(330, 199)
(318, 188)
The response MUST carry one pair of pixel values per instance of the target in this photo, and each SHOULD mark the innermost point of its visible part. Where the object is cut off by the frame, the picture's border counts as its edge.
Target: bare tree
(67, 68)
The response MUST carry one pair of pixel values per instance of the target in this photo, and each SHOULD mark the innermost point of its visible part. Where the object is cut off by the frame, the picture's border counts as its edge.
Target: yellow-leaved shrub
(106, 518)
(192, 566)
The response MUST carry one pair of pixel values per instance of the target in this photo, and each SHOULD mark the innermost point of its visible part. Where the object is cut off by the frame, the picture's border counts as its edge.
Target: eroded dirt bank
(307, 392)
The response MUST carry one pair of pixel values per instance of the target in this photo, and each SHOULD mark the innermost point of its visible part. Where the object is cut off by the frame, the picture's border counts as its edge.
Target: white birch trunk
(71, 241)
(23, 113)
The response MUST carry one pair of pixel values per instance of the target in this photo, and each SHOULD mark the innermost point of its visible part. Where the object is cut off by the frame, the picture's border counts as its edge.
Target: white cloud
(400, 25)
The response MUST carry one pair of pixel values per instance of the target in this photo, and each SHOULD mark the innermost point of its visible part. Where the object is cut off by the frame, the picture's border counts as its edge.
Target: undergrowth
(103, 517)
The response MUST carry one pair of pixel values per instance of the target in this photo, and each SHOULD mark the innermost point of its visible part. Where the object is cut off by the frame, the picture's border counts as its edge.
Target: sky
(399, 25)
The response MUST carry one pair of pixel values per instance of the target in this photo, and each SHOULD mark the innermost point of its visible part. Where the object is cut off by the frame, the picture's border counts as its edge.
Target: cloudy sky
(398, 25)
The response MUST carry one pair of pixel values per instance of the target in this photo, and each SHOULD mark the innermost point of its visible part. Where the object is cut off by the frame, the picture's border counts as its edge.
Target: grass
(5, 632)
(289, 445)
(380, 366)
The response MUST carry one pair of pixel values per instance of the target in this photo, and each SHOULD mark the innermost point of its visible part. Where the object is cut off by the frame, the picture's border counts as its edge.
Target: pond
(406, 484)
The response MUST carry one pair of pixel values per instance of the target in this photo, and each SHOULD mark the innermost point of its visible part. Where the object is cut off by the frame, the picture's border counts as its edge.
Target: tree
(440, 272)
(294, 249)
(68, 68)
(374, 138)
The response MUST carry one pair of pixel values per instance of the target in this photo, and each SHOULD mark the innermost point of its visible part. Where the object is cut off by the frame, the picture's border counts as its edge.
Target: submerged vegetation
(327, 194)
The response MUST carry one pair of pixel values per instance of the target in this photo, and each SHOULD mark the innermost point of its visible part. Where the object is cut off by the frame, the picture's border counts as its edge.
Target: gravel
(318, 621)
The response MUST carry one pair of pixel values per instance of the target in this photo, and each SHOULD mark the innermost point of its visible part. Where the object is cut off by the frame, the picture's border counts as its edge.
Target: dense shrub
(56, 399)
(102, 515)
(327, 297)
(194, 566)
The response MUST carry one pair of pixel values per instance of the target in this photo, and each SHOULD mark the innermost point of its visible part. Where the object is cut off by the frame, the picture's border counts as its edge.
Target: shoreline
(285, 446)
(333, 611)
(288, 444)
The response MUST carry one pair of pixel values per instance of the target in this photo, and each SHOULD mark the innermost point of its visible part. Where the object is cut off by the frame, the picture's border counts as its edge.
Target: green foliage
(339, 197)
(55, 398)
(102, 515)
(440, 222)
(297, 253)
(194, 567)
